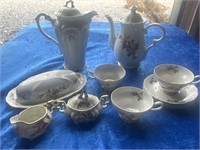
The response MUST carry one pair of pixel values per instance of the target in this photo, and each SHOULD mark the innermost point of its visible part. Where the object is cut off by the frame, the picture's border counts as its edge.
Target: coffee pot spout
(112, 36)
(88, 16)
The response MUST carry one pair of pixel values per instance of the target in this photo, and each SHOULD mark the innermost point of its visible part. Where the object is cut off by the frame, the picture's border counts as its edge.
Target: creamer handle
(156, 40)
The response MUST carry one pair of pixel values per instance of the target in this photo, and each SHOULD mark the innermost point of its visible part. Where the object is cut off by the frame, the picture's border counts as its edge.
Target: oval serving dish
(37, 90)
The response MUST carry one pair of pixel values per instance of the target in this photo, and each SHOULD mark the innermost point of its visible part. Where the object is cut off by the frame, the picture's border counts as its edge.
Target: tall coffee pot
(71, 28)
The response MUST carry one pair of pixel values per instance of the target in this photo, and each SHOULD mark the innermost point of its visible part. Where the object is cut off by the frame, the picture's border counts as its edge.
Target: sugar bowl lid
(68, 11)
(83, 101)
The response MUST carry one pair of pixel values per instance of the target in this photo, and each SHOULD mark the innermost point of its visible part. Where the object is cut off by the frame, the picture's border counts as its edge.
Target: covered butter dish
(46, 86)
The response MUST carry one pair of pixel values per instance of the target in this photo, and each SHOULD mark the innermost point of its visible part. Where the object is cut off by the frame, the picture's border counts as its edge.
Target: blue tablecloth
(29, 53)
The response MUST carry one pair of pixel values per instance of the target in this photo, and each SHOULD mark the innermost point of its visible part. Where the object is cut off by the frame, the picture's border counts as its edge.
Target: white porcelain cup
(172, 78)
(131, 103)
(109, 75)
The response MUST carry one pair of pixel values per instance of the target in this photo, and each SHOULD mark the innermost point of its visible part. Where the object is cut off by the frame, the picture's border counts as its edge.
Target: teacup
(172, 78)
(31, 122)
(109, 75)
(131, 103)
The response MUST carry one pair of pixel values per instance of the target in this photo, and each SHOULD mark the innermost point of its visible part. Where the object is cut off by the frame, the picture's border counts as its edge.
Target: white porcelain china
(131, 103)
(184, 97)
(31, 122)
(37, 90)
(129, 45)
(109, 75)
(72, 29)
(82, 108)
(173, 78)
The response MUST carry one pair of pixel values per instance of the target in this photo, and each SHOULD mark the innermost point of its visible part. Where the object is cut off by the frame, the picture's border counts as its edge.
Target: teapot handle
(156, 40)
(41, 30)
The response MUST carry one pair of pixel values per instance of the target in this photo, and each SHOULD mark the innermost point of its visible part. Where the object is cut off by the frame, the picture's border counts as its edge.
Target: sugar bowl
(82, 108)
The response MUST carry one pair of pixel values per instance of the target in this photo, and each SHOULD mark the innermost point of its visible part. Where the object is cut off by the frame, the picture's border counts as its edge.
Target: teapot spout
(112, 36)
(14, 119)
(91, 14)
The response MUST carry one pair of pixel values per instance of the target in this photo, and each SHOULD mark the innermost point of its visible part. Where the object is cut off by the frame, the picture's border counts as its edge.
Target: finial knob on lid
(69, 11)
(133, 17)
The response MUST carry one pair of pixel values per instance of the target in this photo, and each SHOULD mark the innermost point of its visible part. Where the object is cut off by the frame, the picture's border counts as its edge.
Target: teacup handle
(90, 74)
(104, 101)
(196, 77)
(157, 106)
(159, 39)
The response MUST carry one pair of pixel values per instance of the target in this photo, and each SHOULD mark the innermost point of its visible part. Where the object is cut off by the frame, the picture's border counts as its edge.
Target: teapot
(71, 28)
(129, 45)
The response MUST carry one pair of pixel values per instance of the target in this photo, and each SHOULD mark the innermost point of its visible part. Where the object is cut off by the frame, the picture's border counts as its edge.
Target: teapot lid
(133, 17)
(68, 11)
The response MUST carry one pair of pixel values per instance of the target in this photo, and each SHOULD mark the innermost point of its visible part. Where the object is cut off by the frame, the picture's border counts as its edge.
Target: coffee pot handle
(159, 39)
(47, 17)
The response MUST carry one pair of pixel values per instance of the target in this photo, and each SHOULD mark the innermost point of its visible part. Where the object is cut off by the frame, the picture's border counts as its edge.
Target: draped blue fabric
(30, 53)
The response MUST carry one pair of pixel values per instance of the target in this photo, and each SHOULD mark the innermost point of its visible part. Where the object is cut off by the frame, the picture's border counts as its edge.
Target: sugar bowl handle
(56, 104)
(90, 74)
(159, 39)
(104, 101)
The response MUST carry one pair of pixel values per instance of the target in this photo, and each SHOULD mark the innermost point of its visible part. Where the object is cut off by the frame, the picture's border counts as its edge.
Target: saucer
(13, 100)
(185, 96)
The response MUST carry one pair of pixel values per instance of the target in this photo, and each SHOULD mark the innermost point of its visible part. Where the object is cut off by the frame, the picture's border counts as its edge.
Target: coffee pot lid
(134, 17)
(68, 11)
